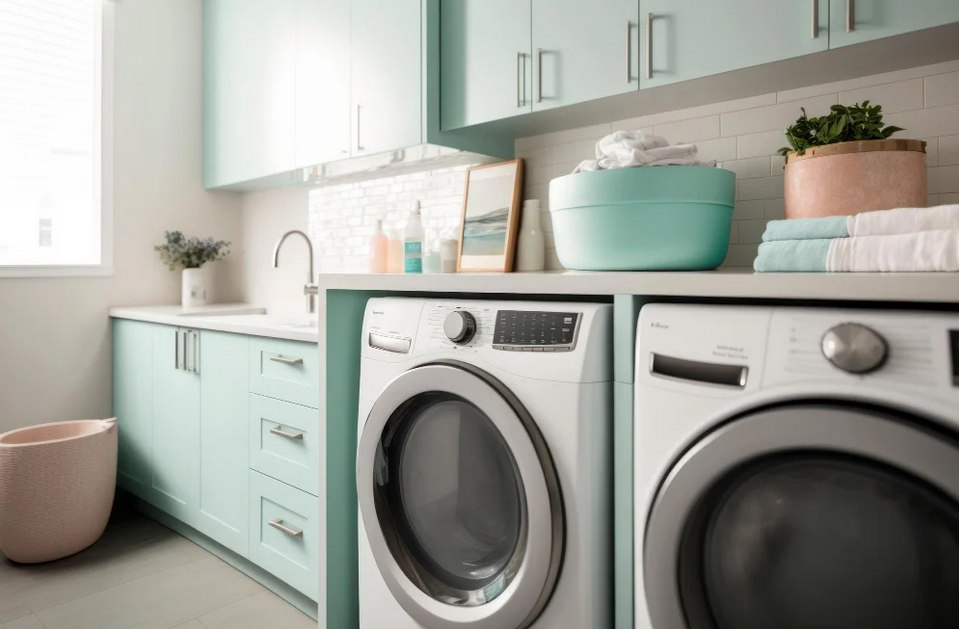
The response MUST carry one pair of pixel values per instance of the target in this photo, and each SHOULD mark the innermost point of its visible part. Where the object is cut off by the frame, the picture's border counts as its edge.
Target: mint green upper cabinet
(486, 68)
(583, 50)
(386, 70)
(224, 503)
(249, 89)
(322, 81)
(854, 21)
(133, 403)
(176, 423)
(697, 38)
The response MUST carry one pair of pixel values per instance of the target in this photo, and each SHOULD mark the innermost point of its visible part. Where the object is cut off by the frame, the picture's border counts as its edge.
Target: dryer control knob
(855, 348)
(459, 326)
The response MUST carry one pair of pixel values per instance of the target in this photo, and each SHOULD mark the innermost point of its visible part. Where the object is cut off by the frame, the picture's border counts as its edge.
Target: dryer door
(460, 500)
(808, 517)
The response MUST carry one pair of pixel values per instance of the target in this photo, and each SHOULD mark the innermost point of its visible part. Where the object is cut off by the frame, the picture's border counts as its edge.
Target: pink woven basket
(57, 483)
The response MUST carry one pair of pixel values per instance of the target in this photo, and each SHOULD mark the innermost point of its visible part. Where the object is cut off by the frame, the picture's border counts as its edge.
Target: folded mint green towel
(795, 256)
(807, 228)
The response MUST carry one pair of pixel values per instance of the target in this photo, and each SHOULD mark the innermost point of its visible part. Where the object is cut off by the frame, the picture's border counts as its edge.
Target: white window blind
(51, 71)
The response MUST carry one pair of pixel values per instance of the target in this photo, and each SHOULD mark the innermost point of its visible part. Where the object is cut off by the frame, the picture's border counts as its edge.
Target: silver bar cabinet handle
(176, 352)
(539, 80)
(519, 83)
(292, 531)
(629, 51)
(287, 361)
(293, 436)
(196, 352)
(359, 146)
(850, 15)
(649, 46)
(815, 19)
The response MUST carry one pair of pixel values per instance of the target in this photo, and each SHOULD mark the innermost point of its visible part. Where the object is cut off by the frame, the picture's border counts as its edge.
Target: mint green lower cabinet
(133, 404)
(285, 370)
(224, 504)
(285, 442)
(583, 50)
(693, 38)
(284, 532)
(855, 21)
(175, 484)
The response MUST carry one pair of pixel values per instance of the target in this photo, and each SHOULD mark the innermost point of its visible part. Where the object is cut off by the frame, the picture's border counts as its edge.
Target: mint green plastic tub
(661, 218)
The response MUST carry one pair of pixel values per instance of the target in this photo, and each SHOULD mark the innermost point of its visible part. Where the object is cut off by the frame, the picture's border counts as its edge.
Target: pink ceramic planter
(56, 488)
(853, 177)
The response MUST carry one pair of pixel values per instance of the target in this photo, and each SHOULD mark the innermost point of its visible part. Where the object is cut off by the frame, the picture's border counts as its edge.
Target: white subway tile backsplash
(942, 89)
(693, 112)
(948, 151)
(932, 151)
(751, 231)
(923, 123)
(944, 179)
(874, 79)
(949, 199)
(746, 210)
(741, 255)
(760, 144)
(775, 209)
(763, 188)
(899, 96)
(593, 133)
(777, 163)
(775, 117)
(686, 131)
(748, 168)
(720, 149)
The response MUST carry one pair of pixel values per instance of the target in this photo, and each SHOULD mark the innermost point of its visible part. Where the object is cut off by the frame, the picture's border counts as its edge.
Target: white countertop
(722, 284)
(235, 318)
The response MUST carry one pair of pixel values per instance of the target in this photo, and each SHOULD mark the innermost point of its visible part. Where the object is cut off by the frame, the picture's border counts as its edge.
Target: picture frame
(489, 227)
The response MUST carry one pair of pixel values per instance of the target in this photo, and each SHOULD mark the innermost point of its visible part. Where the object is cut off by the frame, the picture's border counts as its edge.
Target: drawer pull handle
(292, 531)
(287, 361)
(286, 435)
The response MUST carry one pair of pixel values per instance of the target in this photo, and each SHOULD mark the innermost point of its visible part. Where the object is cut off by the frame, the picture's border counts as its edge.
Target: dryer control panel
(535, 331)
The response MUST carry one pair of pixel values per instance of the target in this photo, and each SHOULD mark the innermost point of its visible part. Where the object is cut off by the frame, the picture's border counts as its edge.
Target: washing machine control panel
(535, 331)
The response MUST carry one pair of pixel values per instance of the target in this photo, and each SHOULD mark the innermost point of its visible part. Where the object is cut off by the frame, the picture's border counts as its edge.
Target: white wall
(744, 135)
(55, 361)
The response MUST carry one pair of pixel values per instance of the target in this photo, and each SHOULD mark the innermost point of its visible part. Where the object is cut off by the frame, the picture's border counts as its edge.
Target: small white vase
(531, 253)
(194, 288)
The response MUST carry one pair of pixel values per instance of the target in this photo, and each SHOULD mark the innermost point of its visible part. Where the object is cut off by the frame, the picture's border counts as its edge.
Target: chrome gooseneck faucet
(310, 289)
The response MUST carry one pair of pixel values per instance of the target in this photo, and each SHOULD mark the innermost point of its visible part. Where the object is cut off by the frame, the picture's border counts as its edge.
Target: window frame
(104, 128)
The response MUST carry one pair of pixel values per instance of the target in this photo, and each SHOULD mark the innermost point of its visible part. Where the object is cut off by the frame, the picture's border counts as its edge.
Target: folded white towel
(904, 220)
(626, 149)
(900, 253)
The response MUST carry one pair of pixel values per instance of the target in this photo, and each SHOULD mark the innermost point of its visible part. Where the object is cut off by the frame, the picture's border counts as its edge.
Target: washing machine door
(812, 517)
(460, 500)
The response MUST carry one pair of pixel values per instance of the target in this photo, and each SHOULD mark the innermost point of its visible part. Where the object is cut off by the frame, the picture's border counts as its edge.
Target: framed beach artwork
(491, 207)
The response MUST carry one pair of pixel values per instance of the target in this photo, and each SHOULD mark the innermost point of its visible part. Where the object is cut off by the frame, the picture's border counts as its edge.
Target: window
(55, 95)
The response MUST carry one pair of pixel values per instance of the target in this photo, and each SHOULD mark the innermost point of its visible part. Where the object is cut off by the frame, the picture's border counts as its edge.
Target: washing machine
(796, 468)
(483, 465)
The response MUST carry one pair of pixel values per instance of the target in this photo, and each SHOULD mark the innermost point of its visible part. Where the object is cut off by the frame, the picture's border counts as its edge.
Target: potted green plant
(845, 162)
(190, 254)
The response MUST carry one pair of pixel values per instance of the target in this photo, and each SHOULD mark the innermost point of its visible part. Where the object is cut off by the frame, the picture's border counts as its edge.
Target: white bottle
(531, 254)
(413, 241)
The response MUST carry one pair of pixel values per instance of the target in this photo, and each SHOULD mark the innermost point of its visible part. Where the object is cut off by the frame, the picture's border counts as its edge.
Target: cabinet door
(385, 62)
(224, 502)
(583, 50)
(693, 38)
(854, 21)
(133, 403)
(486, 70)
(249, 89)
(176, 424)
(322, 81)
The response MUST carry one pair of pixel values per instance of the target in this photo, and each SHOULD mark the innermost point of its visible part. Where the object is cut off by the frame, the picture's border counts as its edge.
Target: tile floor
(140, 575)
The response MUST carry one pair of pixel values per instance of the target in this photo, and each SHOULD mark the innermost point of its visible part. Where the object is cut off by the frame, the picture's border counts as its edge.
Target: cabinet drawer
(285, 370)
(284, 538)
(284, 441)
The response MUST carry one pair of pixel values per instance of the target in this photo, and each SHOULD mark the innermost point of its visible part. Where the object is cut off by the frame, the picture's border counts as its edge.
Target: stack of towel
(899, 241)
(626, 149)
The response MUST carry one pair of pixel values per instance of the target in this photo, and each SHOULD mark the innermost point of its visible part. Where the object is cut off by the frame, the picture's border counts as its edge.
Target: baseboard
(294, 597)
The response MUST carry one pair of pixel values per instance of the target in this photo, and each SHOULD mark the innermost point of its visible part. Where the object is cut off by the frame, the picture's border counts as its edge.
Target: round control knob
(460, 326)
(855, 348)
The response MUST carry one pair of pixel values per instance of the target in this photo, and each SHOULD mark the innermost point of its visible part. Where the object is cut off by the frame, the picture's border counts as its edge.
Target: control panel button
(544, 331)
(855, 348)
(459, 327)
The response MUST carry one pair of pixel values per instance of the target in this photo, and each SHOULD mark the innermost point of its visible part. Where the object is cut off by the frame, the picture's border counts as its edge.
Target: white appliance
(484, 466)
(796, 468)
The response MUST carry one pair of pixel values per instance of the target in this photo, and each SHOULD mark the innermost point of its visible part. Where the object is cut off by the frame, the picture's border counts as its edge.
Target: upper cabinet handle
(629, 51)
(850, 15)
(539, 80)
(649, 46)
(287, 361)
(519, 81)
(815, 19)
(359, 146)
